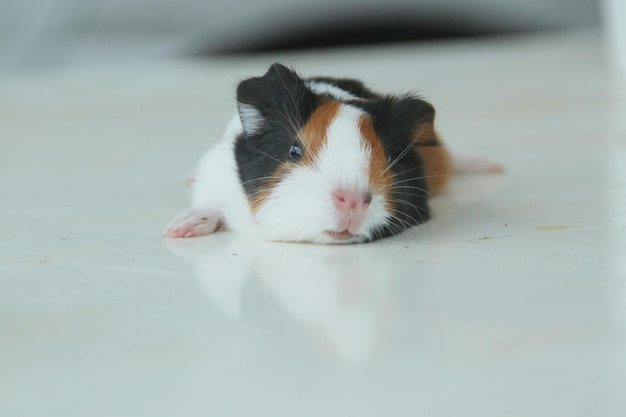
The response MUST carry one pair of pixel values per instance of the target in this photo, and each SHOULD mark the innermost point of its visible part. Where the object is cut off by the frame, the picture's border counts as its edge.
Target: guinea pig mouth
(343, 235)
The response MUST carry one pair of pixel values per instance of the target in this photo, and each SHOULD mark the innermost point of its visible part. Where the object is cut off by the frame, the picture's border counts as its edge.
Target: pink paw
(194, 222)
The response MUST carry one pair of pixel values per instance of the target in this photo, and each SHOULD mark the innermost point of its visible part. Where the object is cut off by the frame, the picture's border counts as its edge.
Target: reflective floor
(511, 301)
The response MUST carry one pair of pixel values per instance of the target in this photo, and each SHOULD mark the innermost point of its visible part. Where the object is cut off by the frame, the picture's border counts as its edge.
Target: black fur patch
(354, 87)
(284, 104)
(396, 120)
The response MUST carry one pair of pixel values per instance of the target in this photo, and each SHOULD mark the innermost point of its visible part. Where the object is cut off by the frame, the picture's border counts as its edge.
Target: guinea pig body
(319, 160)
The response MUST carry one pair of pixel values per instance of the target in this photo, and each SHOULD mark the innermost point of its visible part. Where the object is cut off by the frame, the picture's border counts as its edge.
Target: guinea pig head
(316, 169)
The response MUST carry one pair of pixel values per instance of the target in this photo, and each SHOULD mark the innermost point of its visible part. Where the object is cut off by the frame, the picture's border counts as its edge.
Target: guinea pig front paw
(194, 222)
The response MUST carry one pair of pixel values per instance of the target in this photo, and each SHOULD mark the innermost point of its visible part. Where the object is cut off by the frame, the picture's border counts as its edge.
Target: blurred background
(43, 34)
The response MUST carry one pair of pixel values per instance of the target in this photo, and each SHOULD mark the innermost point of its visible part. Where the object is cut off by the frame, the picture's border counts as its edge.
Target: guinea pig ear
(409, 120)
(399, 118)
(279, 96)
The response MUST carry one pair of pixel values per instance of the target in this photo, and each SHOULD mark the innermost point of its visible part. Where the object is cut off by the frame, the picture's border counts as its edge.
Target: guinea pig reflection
(341, 296)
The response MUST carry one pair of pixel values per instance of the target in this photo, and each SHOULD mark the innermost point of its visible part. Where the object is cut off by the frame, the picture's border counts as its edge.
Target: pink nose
(347, 201)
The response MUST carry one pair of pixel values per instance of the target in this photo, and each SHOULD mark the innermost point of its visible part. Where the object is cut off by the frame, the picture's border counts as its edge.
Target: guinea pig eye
(295, 153)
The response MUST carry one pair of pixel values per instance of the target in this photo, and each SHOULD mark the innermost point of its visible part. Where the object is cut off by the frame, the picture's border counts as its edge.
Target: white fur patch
(218, 186)
(345, 158)
(251, 118)
(332, 90)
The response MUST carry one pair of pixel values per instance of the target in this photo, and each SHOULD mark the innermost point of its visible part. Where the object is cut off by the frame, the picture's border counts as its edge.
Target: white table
(510, 302)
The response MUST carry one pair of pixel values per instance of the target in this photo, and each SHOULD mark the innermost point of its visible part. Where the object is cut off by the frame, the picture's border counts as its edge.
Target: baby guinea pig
(318, 160)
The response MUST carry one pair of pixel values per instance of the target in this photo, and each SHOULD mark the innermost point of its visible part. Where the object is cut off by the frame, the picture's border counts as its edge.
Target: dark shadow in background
(366, 31)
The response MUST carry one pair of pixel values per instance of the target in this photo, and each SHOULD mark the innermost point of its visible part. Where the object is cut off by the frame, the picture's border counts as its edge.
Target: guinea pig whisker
(406, 186)
(292, 105)
(408, 180)
(266, 154)
(403, 224)
(390, 176)
(391, 226)
(414, 168)
(285, 119)
(414, 207)
(289, 92)
(291, 123)
(405, 202)
(409, 187)
(406, 194)
(424, 177)
(397, 159)
(396, 213)
(400, 200)
(405, 151)
(271, 177)
(393, 229)
(419, 178)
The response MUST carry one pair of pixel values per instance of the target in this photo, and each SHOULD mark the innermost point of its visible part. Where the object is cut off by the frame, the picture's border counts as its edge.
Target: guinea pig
(319, 160)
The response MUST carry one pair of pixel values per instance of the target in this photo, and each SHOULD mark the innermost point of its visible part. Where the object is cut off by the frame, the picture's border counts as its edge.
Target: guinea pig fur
(319, 160)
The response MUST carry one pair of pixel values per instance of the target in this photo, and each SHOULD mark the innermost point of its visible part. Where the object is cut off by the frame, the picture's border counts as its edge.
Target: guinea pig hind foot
(475, 164)
(192, 222)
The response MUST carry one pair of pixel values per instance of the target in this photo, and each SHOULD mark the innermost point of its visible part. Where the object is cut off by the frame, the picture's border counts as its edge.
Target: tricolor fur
(320, 160)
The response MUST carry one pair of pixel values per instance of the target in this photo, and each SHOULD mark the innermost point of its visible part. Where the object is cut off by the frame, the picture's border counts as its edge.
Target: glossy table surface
(511, 301)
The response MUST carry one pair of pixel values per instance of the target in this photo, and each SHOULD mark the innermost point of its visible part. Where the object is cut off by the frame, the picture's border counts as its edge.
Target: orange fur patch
(381, 180)
(313, 135)
(435, 157)
(437, 166)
